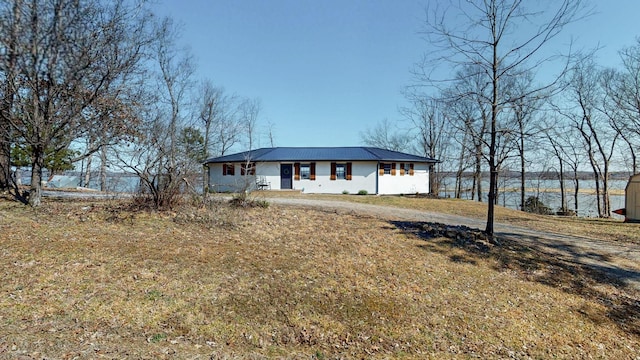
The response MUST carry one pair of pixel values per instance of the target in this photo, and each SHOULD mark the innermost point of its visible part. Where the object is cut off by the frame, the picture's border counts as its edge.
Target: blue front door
(286, 177)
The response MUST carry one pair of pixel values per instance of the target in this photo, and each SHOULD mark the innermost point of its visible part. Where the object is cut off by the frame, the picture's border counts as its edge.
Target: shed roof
(356, 153)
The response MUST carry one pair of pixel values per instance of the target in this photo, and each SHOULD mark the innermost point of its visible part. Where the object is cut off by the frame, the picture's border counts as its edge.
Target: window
(247, 169)
(228, 169)
(340, 171)
(305, 171)
(387, 169)
(406, 169)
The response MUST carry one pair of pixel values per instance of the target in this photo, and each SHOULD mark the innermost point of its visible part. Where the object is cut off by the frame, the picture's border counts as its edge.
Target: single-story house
(329, 170)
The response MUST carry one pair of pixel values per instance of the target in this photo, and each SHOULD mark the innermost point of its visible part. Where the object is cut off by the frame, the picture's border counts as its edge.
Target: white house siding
(363, 177)
(228, 183)
(405, 184)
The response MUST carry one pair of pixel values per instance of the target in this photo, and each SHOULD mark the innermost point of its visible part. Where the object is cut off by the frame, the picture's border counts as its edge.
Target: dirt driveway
(618, 261)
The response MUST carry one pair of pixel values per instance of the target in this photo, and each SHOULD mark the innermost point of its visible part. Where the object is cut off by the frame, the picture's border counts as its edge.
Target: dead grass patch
(601, 229)
(98, 280)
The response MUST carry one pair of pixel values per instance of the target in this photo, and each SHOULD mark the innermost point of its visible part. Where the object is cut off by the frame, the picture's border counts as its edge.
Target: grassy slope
(99, 281)
(603, 229)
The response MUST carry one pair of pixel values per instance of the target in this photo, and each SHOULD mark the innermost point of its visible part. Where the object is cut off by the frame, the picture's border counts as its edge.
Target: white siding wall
(363, 178)
(227, 183)
(405, 184)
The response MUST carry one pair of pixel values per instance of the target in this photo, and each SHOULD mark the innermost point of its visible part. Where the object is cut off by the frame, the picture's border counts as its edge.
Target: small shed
(632, 199)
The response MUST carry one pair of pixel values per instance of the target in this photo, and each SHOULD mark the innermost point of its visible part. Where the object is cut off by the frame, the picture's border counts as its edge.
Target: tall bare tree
(430, 127)
(494, 39)
(10, 25)
(520, 111)
(584, 95)
(386, 135)
(71, 58)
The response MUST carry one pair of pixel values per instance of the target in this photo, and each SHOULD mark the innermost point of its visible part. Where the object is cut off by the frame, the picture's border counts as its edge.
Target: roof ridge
(368, 149)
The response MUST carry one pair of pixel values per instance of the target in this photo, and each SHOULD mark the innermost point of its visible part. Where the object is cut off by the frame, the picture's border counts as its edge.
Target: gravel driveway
(619, 261)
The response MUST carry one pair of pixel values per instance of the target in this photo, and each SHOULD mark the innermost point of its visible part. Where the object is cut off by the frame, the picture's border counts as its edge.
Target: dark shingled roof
(357, 153)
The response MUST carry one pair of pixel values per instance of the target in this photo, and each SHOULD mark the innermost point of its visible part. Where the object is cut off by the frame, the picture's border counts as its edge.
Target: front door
(285, 177)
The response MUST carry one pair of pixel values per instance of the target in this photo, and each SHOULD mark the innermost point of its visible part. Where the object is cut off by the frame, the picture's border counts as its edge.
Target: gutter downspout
(377, 170)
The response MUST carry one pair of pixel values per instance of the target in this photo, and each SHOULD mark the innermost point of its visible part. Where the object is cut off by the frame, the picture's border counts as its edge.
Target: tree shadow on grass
(555, 264)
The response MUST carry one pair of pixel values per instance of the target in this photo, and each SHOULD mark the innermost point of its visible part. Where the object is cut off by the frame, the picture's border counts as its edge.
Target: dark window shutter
(224, 169)
(312, 170)
(381, 171)
(411, 169)
(393, 169)
(333, 171)
(296, 169)
(349, 171)
(401, 169)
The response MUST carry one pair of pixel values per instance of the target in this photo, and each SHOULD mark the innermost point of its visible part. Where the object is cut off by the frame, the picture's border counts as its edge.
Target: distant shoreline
(568, 191)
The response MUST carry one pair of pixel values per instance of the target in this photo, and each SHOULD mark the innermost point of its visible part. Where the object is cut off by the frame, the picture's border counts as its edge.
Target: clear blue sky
(326, 70)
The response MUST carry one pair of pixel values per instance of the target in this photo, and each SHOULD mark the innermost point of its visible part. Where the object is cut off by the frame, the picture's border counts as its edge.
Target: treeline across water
(543, 185)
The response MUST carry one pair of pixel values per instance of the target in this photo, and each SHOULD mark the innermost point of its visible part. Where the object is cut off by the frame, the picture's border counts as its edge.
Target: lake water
(548, 191)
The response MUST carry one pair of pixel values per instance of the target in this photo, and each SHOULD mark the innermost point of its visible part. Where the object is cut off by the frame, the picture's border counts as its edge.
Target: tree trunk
(103, 169)
(522, 169)
(575, 194)
(35, 193)
(5, 159)
(563, 198)
(87, 173)
(606, 203)
(478, 173)
(433, 180)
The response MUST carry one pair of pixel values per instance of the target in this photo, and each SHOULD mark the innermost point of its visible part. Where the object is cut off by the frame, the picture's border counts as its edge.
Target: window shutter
(243, 169)
(381, 171)
(401, 169)
(296, 169)
(411, 169)
(312, 170)
(393, 169)
(348, 171)
(224, 169)
(333, 171)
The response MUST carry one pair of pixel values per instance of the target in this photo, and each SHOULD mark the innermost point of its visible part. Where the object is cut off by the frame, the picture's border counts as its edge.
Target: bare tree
(157, 157)
(10, 25)
(176, 69)
(558, 140)
(385, 135)
(71, 57)
(468, 113)
(521, 110)
(585, 94)
(220, 117)
(250, 110)
(491, 43)
(430, 125)
(622, 103)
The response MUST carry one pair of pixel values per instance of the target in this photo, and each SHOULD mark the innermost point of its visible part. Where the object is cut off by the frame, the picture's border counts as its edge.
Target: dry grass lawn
(85, 281)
